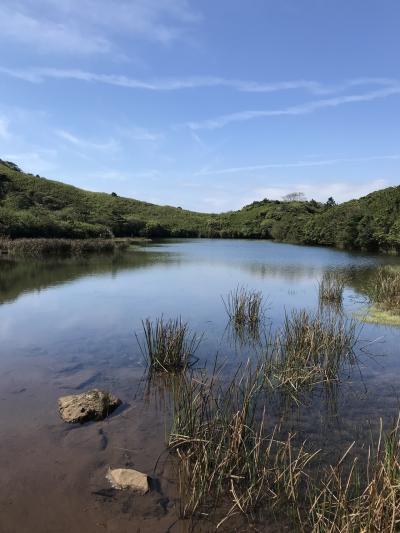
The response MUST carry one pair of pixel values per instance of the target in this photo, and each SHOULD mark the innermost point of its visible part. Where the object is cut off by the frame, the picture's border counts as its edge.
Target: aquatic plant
(168, 344)
(331, 288)
(227, 462)
(244, 307)
(311, 348)
(384, 289)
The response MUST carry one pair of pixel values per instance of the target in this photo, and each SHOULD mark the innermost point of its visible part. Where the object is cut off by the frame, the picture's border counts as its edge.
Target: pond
(73, 324)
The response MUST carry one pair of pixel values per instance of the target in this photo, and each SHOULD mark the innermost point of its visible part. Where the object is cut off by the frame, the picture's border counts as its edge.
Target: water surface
(69, 325)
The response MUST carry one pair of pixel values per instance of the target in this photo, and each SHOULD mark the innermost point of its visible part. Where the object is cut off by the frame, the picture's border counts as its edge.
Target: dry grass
(168, 345)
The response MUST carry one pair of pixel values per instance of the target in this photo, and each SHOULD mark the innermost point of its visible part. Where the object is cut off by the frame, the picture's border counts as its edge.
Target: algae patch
(374, 315)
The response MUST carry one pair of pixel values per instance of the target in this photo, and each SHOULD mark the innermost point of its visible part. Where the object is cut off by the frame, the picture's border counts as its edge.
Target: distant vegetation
(31, 206)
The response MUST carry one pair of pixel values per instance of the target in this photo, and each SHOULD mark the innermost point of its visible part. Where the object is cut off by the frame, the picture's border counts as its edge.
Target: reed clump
(244, 308)
(168, 345)
(384, 290)
(227, 461)
(311, 348)
(331, 288)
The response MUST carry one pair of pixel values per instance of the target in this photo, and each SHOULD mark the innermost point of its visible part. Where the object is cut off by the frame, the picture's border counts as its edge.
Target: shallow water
(69, 325)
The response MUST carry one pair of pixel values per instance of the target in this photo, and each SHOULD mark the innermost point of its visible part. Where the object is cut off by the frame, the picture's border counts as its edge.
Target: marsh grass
(245, 311)
(331, 288)
(244, 306)
(311, 349)
(227, 461)
(168, 345)
(384, 290)
(56, 247)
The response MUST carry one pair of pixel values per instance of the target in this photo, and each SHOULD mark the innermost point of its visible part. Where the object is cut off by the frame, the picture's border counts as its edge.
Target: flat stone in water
(127, 478)
(92, 405)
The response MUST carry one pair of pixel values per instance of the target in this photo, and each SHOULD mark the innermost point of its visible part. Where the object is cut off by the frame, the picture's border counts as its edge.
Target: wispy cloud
(110, 145)
(296, 164)
(4, 131)
(36, 160)
(48, 36)
(38, 75)
(302, 109)
(92, 26)
(136, 133)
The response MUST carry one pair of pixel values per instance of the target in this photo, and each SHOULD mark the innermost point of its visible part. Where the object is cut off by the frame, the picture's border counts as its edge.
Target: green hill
(31, 206)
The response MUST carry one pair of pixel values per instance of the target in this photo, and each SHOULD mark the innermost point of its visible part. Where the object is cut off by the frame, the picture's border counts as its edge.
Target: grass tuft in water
(331, 288)
(311, 348)
(168, 345)
(244, 308)
(384, 290)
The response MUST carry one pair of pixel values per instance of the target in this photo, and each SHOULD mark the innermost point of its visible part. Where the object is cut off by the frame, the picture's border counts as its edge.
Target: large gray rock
(92, 405)
(127, 478)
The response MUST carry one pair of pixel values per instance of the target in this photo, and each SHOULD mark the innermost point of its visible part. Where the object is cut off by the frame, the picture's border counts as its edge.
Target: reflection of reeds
(168, 344)
(331, 288)
(311, 348)
(385, 289)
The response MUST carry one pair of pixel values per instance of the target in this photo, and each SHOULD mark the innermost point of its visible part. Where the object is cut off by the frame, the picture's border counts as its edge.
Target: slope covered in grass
(31, 206)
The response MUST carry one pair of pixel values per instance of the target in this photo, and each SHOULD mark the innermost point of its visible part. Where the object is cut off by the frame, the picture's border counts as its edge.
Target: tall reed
(331, 288)
(244, 306)
(168, 344)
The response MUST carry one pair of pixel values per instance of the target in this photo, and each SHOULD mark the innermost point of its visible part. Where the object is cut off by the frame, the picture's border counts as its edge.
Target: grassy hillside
(31, 206)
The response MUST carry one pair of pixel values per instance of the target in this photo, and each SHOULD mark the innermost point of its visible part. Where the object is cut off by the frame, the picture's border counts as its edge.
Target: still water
(69, 325)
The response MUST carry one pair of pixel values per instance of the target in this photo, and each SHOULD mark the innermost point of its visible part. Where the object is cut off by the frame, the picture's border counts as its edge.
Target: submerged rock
(127, 478)
(92, 405)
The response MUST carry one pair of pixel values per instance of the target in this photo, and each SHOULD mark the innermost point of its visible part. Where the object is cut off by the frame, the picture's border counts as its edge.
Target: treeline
(34, 207)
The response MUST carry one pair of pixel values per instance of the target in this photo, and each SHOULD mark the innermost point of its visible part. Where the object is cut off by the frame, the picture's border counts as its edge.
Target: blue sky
(207, 105)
